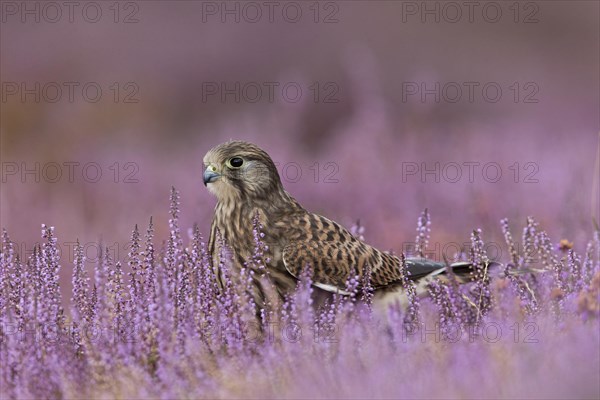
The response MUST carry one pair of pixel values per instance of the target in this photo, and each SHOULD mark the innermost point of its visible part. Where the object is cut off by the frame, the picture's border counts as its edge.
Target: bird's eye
(236, 162)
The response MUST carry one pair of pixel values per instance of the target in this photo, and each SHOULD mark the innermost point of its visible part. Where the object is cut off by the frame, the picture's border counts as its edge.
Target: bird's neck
(241, 211)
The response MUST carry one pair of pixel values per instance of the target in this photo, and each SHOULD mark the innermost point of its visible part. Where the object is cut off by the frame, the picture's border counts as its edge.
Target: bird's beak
(210, 174)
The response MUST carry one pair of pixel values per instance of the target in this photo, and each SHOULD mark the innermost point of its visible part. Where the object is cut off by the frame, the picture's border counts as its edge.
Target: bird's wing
(334, 255)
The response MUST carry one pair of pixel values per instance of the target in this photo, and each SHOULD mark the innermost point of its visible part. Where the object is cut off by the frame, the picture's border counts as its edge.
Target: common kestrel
(246, 183)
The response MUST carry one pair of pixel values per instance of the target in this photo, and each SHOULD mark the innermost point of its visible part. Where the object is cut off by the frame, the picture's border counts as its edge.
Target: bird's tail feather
(424, 271)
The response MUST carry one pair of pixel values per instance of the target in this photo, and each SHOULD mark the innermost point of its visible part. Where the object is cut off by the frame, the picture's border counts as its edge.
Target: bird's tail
(423, 272)
(461, 272)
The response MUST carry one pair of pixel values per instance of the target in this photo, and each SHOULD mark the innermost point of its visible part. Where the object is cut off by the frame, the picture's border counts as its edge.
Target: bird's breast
(236, 225)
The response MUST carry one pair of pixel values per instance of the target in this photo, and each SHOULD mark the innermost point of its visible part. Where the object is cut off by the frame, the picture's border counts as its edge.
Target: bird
(247, 185)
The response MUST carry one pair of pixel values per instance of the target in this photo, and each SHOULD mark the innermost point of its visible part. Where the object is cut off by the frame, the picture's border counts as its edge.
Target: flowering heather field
(163, 330)
(484, 114)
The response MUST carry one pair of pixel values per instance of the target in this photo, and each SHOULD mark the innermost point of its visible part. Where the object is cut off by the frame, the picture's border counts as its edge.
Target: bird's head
(237, 169)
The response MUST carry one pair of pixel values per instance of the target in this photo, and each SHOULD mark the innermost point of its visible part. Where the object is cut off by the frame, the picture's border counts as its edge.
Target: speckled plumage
(295, 236)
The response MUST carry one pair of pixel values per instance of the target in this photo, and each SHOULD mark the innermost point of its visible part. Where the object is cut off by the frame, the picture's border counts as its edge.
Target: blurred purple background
(360, 134)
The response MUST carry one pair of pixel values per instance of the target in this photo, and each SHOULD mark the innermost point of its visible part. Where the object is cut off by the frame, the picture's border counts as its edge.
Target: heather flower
(588, 267)
(525, 293)
(228, 318)
(440, 296)
(118, 301)
(423, 232)
(367, 288)
(521, 286)
(351, 287)
(597, 246)
(575, 272)
(260, 247)
(463, 311)
(548, 257)
(10, 278)
(178, 286)
(481, 290)
(134, 263)
(173, 256)
(412, 317)
(357, 230)
(204, 280)
(81, 288)
(53, 312)
(530, 235)
(197, 338)
(99, 303)
(149, 301)
(514, 256)
(297, 311)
